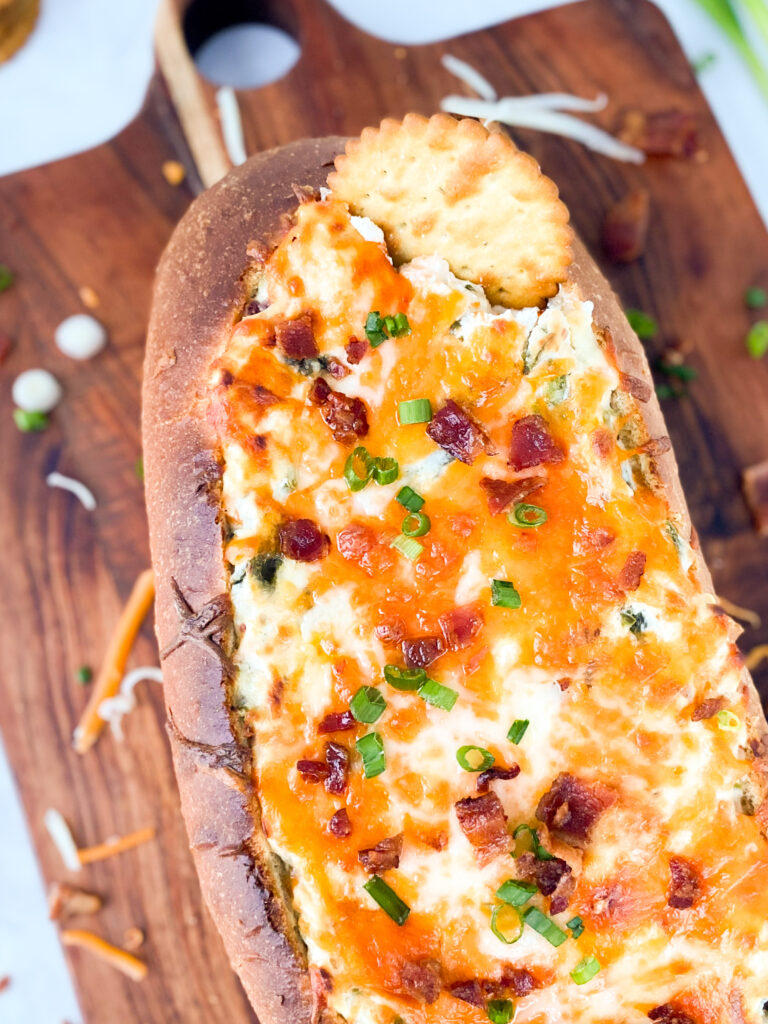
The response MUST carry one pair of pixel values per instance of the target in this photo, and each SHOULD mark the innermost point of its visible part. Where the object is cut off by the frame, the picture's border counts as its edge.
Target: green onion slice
(29, 421)
(500, 1011)
(474, 759)
(516, 893)
(585, 970)
(385, 471)
(532, 841)
(408, 546)
(387, 899)
(6, 277)
(545, 926)
(375, 330)
(756, 298)
(727, 721)
(401, 325)
(501, 928)
(84, 674)
(757, 339)
(644, 326)
(517, 730)
(409, 499)
(504, 595)
(527, 516)
(368, 705)
(358, 469)
(404, 678)
(439, 696)
(416, 524)
(415, 410)
(371, 748)
(576, 926)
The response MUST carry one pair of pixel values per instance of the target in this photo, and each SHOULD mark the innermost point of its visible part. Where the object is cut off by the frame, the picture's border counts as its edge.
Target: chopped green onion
(527, 515)
(500, 1011)
(385, 471)
(727, 721)
(756, 298)
(757, 339)
(408, 546)
(415, 524)
(409, 499)
(644, 326)
(368, 705)
(375, 329)
(359, 460)
(634, 621)
(387, 899)
(29, 421)
(406, 679)
(680, 371)
(665, 391)
(557, 390)
(439, 696)
(497, 927)
(545, 926)
(515, 892)
(371, 748)
(585, 970)
(474, 759)
(389, 324)
(415, 410)
(576, 926)
(6, 277)
(517, 730)
(401, 325)
(535, 846)
(504, 595)
(84, 675)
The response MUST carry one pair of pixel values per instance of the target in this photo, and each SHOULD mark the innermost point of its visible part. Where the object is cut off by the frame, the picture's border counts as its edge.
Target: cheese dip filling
(498, 729)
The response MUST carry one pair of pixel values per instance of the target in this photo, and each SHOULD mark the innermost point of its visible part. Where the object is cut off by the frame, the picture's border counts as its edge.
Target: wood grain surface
(101, 219)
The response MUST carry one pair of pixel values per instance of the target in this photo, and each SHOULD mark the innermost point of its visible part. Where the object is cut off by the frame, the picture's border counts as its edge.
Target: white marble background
(78, 81)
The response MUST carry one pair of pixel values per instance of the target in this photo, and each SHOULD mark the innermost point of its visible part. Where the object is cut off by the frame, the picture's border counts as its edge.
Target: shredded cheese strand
(114, 709)
(736, 611)
(756, 657)
(76, 487)
(61, 835)
(113, 955)
(108, 682)
(470, 76)
(118, 844)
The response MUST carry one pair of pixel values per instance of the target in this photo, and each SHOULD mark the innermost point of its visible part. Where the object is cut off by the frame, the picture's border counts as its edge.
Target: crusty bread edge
(198, 293)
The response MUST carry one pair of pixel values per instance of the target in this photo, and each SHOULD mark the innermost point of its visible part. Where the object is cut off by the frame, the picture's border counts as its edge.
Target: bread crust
(199, 290)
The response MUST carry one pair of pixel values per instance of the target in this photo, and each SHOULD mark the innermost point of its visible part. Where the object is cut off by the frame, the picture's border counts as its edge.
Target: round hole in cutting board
(247, 56)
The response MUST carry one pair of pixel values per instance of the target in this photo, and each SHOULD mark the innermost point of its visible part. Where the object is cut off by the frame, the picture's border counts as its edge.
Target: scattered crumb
(133, 939)
(400, 53)
(174, 172)
(88, 297)
(5, 981)
(66, 900)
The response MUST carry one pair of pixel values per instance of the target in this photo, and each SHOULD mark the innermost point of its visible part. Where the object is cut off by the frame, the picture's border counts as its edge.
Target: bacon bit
(337, 721)
(484, 823)
(296, 339)
(118, 844)
(312, 771)
(383, 856)
(422, 980)
(484, 779)
(625, 227)
(561, 897)
(174, 172)
(133, 939)
(655, 447)
(636, 387)
(668, 1013)
(125, 962)
(340, 825)
(632, 571)
(347, 417)
(519, 981)
(685, 885)
(66, 900)
(458, 434)
(737, 612)
(661, 132)
(470, 667)
(320, 391)
(602, 442)
(337, 758)
(471, 992)
(754, 481)
(756, 657)
(421, 651)
(113, 668)
(390, 631)
(708, 708)
(303, 541)
(532, 444)
(355, 350)
(501, 494)
(460, 626)
(570, 808)
(462, 525)
(320, 983)
(336, 369)
(88, 297)
(564, 683)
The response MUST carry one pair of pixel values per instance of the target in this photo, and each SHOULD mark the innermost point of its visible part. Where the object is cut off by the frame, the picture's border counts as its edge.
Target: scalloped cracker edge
(454, 188)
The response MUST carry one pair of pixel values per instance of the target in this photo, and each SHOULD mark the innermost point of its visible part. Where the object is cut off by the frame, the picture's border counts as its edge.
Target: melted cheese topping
(607, 703)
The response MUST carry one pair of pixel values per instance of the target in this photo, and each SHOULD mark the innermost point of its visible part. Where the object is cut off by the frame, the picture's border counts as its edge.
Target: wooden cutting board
(101, 219)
